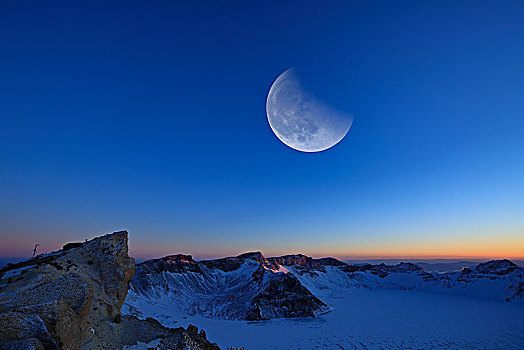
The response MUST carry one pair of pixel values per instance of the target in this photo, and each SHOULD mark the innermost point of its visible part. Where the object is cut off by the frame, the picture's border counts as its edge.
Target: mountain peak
(497, 267)
(252, 255)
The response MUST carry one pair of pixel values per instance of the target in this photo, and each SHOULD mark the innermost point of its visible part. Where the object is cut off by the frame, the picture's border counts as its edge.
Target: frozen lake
(374, 319)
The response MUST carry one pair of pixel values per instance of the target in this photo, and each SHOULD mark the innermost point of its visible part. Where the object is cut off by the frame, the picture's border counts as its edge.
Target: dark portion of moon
(299, 120)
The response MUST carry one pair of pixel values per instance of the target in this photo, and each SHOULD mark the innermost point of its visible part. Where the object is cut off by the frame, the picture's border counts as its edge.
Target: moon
(301, 121)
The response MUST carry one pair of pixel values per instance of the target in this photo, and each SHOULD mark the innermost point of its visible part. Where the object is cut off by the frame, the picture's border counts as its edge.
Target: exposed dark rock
(258, 274)
(331, 262)
(68, 246)
(305, 264)
(233, 263)
(193, 330)
(179, 263)
(254, 314)
(285, 297)
(466, 271)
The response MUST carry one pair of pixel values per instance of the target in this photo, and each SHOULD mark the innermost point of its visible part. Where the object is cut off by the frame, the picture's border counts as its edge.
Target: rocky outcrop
(304, 260)
(284, 297)
(71, 299)
(305, 264)
(233, 263)
(174, 263)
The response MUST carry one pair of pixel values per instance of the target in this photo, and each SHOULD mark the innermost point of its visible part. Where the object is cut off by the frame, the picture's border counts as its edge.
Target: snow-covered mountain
(248, 287)
(252, 287)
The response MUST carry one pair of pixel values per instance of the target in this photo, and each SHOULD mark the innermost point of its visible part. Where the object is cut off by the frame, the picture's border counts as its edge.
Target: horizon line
(318, 256)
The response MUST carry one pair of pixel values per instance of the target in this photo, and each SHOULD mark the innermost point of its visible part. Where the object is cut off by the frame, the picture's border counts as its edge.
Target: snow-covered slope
(252, 287)
(243, 287)
(498, 279)
(372, 306)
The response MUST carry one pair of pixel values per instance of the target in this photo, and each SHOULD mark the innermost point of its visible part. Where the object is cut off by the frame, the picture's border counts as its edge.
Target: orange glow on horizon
(512, 251)
(467, 246)
(461, 249)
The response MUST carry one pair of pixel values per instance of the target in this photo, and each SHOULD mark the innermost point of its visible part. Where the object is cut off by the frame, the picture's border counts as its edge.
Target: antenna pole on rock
(34, 250)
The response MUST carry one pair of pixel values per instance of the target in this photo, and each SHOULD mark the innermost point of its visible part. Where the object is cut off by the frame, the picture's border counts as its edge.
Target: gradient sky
(150, 117)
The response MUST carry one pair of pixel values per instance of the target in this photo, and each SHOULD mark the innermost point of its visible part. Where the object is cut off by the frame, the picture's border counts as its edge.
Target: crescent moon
(299, 120)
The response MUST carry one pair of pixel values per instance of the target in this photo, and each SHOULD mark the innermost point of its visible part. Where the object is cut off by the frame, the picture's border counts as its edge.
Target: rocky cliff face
(71, 299)
(286, 297)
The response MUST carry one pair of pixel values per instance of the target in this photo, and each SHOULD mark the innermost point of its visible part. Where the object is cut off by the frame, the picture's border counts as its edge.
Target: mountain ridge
(253, 287)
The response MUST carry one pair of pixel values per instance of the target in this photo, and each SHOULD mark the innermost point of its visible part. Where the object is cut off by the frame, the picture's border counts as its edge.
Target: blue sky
(151, 117)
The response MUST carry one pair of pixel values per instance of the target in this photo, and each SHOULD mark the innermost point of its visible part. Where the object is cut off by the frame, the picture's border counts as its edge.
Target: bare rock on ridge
(285, 297)
(71, 299)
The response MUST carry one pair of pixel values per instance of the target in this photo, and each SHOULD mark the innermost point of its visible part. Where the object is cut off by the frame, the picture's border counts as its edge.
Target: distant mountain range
(253, 287)
(430, 265)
